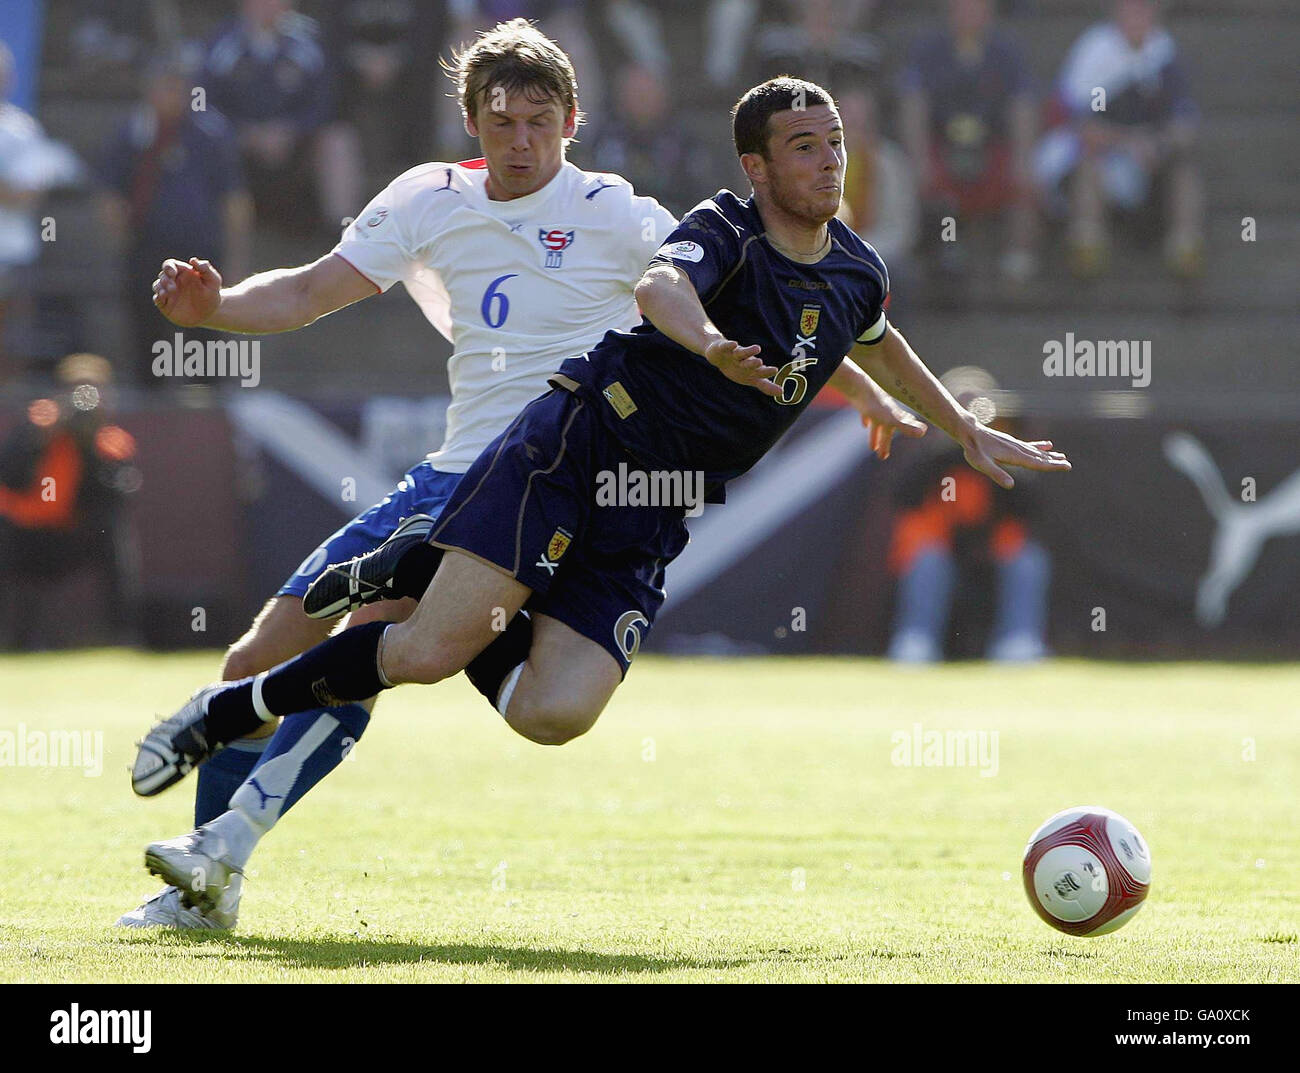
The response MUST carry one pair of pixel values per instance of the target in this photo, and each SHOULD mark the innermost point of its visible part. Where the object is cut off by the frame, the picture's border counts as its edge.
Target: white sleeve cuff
(876, 332)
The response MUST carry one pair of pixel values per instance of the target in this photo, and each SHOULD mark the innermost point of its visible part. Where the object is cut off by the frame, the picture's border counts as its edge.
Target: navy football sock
(337, 671)
(489, 669)
(221, 776)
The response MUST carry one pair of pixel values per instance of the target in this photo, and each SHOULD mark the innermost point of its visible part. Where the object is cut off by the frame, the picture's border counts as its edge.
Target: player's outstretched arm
(668, 298)
(191, 294)
(894, 365)
(881, 415)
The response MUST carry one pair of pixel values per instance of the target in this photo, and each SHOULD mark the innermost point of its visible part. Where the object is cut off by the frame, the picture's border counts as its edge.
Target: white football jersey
(517, 286)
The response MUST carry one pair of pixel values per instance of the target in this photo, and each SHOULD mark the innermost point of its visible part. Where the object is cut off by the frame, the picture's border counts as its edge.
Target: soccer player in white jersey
(521, 260)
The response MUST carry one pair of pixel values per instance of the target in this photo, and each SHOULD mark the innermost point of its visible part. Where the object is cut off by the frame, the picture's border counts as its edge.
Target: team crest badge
(554, 242)
(559, 545)
(808, 320)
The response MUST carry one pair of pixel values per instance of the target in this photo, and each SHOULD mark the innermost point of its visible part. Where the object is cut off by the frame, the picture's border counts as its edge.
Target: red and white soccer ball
(1087, 871)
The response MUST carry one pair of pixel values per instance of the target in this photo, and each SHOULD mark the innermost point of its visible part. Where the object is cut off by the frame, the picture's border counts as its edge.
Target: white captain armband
(876, 332)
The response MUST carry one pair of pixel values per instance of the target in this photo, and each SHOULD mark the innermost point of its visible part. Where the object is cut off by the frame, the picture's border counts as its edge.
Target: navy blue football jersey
(671, 409)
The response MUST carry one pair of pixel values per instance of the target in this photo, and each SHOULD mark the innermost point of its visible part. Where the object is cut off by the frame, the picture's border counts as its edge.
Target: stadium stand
(1250, 164)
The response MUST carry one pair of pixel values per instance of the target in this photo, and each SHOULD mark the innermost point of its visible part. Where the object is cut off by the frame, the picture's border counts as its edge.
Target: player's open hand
(742, 364)
(989, 450)
(884, 418)
(187, 293)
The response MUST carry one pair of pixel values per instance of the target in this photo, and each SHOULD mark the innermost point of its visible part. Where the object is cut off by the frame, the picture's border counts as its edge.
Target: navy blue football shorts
(528, 507)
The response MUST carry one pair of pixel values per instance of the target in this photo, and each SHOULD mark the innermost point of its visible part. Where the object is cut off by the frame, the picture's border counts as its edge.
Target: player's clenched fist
(742, 364)
(187, 294)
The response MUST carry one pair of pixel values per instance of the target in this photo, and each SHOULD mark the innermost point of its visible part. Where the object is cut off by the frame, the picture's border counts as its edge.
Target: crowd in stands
(283, 116)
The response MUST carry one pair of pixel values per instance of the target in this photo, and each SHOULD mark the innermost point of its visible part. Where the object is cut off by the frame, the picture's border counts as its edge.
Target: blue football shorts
(424, 490)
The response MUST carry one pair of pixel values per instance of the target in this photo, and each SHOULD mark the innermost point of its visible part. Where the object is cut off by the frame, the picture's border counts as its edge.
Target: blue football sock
(306, 747)
(222, 775)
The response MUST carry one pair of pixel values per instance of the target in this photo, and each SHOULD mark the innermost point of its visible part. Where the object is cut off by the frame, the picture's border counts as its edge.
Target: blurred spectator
(880, 201)
(1128, 121)
(388, 77)
(109, 38)
(174, 187)
(30, 164)
(680, 40)
(824, 41)
(828, 43)
(644, 142)
(956, 535)
(968, 122)
(695, 49)
(266, 70)
(65, 471)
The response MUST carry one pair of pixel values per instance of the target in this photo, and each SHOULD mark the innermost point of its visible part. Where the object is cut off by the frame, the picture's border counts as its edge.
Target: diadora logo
(554, 242)
(603, 186)
(378, 218)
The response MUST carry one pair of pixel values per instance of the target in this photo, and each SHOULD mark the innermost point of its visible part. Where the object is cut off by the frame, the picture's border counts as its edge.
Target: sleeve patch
(682, 251)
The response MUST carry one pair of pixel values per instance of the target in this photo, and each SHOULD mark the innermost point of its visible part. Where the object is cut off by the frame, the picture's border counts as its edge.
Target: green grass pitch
(724, 821)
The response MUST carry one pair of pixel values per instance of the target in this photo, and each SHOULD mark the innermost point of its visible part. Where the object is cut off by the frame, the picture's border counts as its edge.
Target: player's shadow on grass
(360, 953)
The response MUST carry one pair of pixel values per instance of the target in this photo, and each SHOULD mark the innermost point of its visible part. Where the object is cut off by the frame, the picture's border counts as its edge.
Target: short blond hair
(516, 57)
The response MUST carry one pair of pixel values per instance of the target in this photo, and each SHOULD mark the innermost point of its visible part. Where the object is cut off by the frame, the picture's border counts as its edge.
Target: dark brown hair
(753, 110)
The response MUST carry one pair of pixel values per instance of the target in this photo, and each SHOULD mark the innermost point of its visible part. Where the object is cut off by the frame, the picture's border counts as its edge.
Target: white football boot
(166, 910)
(176, 746)
(197, 864)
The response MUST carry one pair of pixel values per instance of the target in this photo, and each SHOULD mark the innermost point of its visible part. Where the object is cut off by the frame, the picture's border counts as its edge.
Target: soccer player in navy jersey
(749, 309)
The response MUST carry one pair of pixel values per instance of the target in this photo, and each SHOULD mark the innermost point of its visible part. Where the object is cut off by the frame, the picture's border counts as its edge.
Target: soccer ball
(1087, 871)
